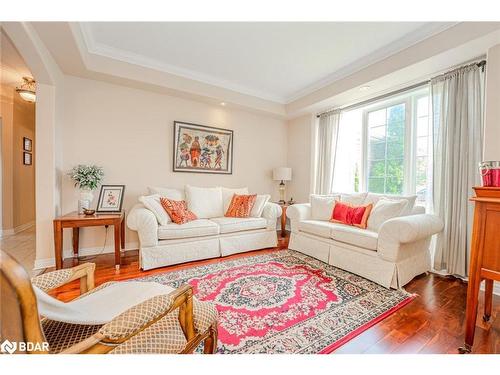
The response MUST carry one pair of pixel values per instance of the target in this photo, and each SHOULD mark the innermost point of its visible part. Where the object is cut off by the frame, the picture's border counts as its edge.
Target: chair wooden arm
(54, 279)
(138, 318)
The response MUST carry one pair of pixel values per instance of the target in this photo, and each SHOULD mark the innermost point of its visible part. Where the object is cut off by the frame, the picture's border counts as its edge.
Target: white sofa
(211, 235)
(391, 256)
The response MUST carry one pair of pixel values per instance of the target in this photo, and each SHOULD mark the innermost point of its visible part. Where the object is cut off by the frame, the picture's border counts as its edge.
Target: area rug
(286, 302)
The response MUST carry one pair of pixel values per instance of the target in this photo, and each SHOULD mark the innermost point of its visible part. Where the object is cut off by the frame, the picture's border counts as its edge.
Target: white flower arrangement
(86, 176)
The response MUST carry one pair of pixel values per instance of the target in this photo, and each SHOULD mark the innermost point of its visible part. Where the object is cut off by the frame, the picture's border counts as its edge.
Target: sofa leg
(210, 345)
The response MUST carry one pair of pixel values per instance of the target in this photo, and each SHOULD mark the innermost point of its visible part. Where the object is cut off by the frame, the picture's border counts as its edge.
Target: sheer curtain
(327, 136)
(457, 122)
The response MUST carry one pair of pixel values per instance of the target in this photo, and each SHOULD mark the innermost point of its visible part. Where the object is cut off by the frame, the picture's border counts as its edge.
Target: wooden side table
(485, 258)
(283, 206)
(76, 221)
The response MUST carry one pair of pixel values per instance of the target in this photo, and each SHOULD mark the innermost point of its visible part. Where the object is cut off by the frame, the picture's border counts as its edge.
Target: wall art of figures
(202, 149)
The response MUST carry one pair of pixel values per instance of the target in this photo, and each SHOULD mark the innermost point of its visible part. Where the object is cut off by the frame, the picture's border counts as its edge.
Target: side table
(76, 221)
(283, 206)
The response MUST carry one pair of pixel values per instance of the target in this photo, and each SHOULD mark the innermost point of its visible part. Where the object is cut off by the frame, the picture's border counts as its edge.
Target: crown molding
(408, 40)
(100, 49)
(104, 50)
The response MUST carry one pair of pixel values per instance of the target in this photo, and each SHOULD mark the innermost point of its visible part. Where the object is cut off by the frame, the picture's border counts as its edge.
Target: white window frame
(407, 142)
(410, 143)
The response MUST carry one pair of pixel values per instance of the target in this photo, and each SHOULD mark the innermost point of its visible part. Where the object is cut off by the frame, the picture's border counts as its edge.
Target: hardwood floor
(432, 323)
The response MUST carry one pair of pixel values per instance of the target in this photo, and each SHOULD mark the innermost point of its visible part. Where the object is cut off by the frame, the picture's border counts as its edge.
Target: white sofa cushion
(205, 202)
(356, 199)
(152, 203)
(322, 206)
(227, 195)
(366, 239)
(384, 210)
(374, 198)
(260, 203)
(237, 224)
(195, 228)
(317, 227)
(174, 194)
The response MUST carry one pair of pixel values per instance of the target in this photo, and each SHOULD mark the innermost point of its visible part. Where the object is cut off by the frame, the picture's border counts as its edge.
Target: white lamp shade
(282, 174)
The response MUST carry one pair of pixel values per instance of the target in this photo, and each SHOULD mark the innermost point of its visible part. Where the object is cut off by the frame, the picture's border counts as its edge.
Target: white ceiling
(274, 61)
(12, 67)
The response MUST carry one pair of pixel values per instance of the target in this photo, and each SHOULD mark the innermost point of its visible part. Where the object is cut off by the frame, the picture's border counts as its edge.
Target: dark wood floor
(432, 323)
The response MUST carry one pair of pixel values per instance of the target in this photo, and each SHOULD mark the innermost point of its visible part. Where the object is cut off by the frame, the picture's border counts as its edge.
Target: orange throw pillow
(241, 205)
(351, 215)
(177, 210)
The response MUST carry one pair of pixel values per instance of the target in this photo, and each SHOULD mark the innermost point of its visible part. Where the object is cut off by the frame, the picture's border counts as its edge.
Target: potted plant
(87, 178)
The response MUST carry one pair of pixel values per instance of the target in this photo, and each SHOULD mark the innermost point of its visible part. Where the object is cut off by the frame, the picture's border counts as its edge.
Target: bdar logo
(8, 347)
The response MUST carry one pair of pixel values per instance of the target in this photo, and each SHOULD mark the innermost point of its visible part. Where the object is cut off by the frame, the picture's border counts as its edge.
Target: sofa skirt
(170, 252)
(366, 263)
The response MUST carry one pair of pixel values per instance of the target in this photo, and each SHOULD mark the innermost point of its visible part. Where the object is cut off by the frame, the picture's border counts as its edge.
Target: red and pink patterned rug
(287, 302)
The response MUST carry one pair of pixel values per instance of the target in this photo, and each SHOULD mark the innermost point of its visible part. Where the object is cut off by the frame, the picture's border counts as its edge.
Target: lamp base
(282, 192)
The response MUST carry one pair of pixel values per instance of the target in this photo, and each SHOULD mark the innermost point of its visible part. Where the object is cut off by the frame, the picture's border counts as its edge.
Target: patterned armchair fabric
(136, 318)
(154, 326)
(52, 280)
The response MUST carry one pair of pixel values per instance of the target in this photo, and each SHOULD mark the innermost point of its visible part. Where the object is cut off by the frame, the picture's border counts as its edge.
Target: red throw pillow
(177, 210)
(241, 205)
(351, 215)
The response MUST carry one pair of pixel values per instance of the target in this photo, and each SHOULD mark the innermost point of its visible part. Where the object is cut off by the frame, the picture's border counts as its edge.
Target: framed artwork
(27, 144)
(27, 158)
(110, 198)
(202, 149)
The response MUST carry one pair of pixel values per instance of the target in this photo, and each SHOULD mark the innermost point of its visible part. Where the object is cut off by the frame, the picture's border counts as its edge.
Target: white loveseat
(391, 256)
(163, 243)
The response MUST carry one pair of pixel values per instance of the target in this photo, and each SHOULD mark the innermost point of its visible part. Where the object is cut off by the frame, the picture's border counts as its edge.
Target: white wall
(300, 157)
(129, 133)
(492, 107)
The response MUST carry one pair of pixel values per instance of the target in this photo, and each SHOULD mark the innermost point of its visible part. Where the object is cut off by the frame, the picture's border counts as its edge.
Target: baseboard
(84, 252)
(18, 229)
(496, 285)
(496, 288)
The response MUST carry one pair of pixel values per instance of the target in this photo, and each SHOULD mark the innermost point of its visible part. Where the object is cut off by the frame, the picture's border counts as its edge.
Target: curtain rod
(480, 64)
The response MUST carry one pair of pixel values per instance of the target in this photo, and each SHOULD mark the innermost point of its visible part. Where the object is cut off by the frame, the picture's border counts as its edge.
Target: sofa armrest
(145, 223)
(405, 230)
(297, 213)
(271, 211)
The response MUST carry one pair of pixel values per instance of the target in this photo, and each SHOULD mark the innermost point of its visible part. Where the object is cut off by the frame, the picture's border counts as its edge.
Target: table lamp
(282, 174)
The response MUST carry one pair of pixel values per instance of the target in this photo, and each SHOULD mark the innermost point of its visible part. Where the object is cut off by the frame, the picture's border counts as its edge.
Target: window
(385, 141)
(386, 147)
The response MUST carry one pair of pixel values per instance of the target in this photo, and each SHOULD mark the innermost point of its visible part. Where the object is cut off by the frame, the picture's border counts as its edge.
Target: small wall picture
(202, 149)
(27, 144)
(110, 198)
(27, 158)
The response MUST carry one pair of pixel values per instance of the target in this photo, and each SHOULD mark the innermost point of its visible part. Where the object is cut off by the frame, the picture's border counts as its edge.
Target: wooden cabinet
(485, 257)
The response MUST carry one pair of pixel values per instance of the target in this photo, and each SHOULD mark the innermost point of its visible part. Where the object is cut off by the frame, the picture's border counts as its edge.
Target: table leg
(117, 236)
(76, 239)
(283, 224)
(58, 243)
(122, 233)
(471, 311)
(488, 298)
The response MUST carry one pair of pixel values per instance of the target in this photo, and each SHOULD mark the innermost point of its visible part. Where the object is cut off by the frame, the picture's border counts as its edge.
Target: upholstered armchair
(174, 322)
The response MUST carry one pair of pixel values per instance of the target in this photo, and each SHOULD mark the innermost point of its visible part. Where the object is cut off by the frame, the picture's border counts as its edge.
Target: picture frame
(27, 144)
(202, 149)
(110, 199)
(27, 158)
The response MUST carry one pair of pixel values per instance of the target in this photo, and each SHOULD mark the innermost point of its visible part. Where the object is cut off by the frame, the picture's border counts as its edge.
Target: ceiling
(272, 61)
(12, 68)
(280, 69)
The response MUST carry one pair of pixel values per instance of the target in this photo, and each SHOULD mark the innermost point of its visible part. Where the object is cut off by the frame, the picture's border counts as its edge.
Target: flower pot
(86, 198)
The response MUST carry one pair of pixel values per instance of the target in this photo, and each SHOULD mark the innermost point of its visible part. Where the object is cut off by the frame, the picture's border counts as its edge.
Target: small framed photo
(27, 144)
(110, 198)
(27, 158)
